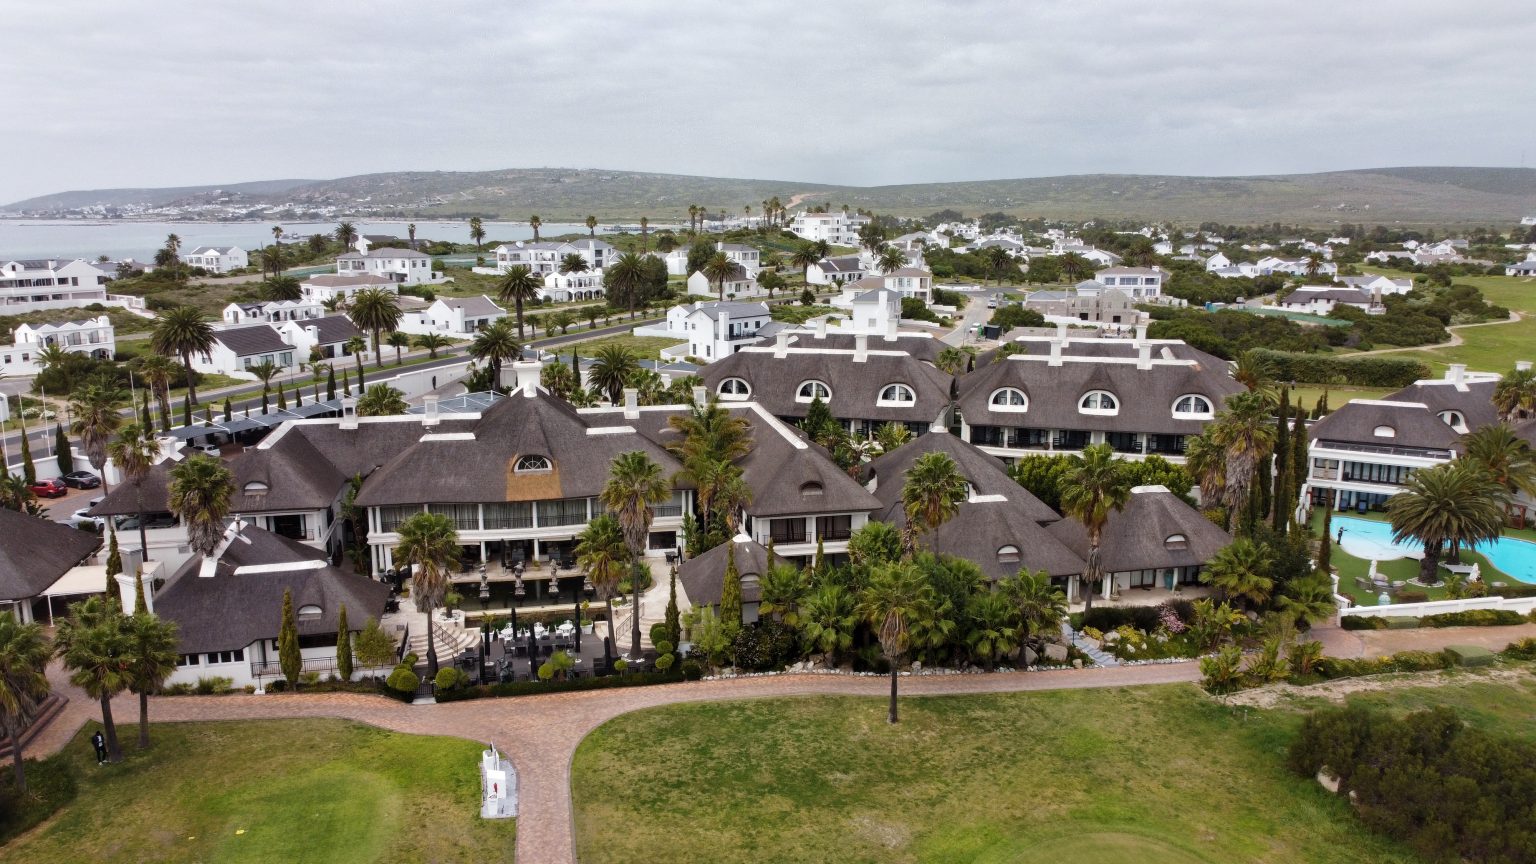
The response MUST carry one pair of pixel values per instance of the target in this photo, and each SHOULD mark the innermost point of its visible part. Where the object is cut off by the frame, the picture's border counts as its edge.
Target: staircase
(451, 642)
(1087, 646)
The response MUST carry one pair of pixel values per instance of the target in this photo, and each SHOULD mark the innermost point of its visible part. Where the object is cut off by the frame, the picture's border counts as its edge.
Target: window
(256, 487)
(566, 511)
(1008, 555)
(309, 610)
(526, 464)
(235, 656)
(1175, 542)
(1454, 419)
(810, 390)
(1009, 399)
(896, 394)
(392, 515)
(189, 660)
(811, 489)
(1099, 402)
(733, 388)
(1192, 405)
(1384, 432)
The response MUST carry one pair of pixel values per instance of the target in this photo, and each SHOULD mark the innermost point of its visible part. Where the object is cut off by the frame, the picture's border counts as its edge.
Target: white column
(1109, 579)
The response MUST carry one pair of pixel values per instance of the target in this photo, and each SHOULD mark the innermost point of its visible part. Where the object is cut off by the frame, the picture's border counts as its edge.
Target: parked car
(82, 518)
(53, 487)
(81, 480)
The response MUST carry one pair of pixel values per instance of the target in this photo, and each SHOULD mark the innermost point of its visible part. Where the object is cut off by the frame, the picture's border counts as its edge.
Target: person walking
(99, 741)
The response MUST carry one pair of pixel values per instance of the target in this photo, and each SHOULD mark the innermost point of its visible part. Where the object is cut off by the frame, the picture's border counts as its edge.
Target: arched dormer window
(1193, 405)
(810, 489)
(309, 611)
(734, 388)
(811, 390)
(256, 487)
(1009, 399)
(1100, 402)
(1174, 542)
(1384, 432)
(1456, 420)
(897, 394)
(1008, 555)
(532, 464)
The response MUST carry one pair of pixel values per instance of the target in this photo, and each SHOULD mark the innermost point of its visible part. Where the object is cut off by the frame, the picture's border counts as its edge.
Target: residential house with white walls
(739, 284)
(1362, 453)
(272, 311)
(1271, 264)
(838, 270)
(327, 287)
(236, 349)
(401, 266)
(837, 228)
(564, 287)
(714, 330)
(1140, 283)
(1321, 299)
(328, 335)
(35, 285)
(545, 256)
(217, 259)
(460, 317)
(1377, 285)
(92, 336)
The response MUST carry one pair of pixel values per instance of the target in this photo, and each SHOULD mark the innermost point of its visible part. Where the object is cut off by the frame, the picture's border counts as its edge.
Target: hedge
(1402, 661)
(531, 688)
(1362, 622)
(1376, 371)
(1474, 618)
(1470, 655)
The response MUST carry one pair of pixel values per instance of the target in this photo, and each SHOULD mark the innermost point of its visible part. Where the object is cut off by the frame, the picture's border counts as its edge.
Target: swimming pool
(1366, 539)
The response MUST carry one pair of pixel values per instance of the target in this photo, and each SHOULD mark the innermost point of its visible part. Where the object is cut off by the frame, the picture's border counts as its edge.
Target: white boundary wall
(1523, 605)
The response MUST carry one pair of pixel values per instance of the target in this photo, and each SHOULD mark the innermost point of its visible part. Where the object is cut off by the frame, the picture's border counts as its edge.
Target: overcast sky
(104, 93)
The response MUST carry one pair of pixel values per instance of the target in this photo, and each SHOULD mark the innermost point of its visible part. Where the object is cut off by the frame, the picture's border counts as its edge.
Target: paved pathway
(1087, 646)
(540, 733)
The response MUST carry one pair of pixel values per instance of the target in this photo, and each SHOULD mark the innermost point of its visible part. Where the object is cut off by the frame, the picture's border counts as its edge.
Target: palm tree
(158, 370)
(993, 632)
(1455, 502)
(272, 259)
(573, 263)
(604, 556)
(476, 231)
(635, 486)
(357, 346)
(399, 341)
(625, 279)
(1254, 371)
(346, 235)
(1245, 433)
(283, 288)
(693, 217)
(519, 285)
(1000, 262)
(804, 256)
(199, 496)
(410, 231)
(429, 545)
(1207, 463)
(717, 269)
(381, 400)
(897, 596)
(828, 620)
(182, 332)
(133, 451)
(1074, 266)
(96, 420)
(170, 256)
(494, 345)
(24, 654)
(1039, 605)
(264, 371)
(1506, 457)
(592, 226)
(534, 222)
(1515, 394)
(611, 371)
(94, 648)
(433, 342)
(1240, 573)
(1095, 485)
(931, 493)
(375, 310)
(152, 653)
(645, 226)
(890, 260)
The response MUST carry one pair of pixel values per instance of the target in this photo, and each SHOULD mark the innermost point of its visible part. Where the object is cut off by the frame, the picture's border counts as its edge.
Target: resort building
(93, 336)
(217, 259)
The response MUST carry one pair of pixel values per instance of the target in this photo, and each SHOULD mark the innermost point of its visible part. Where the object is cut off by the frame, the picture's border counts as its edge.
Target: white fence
(1523, 605)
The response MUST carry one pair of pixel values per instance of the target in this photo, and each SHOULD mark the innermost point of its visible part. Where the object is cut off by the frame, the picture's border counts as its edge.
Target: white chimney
(781, 344)
(1522, 365)
(631, 403)
(526, 375)
(1055, 352)
(1141, 332)
(860, 348)
(701, 396)
(349, 412)
(821, 328)
(725, 325)
(890, 328)
(1143, 356)
(429, 416)
(1061, 332)
(1457, 374)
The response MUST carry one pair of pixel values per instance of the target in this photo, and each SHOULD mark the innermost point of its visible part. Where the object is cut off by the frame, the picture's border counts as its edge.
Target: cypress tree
(114, 559)
(343, 646)
(1283, 490)
(819, 562)
(28, 470)
(139, 606)
(346, 382)
(208, 415)
(229, 411)
(330, 384)
(266, 407)
(1325, 549)
(288, 642)
(1301, 461)
(730, 593)
(298, 396)
(674, 618)
(186, 410)
(62, 449)
(144, 419)
(1264, 489)
(282, 399)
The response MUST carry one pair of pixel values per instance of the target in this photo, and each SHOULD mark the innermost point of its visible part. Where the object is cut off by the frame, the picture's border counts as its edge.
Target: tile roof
(332, 328)
(35, 552)
(381, 254)
(1137, 537)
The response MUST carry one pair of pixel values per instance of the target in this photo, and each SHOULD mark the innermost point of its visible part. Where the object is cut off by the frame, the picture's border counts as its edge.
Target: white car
(82, 519)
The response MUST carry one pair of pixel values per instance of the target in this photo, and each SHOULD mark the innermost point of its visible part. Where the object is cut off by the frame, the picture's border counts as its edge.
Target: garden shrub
(660, 633)
(215, 686)
(403, 679)
(1411, 597)
(692, 670)
(531, 688)
(1362, 622)
(665, 661)
(1377, 371)
(1402, 622)
(1107, 618)
(1474, 618)
(1524, 649)
(450, 678)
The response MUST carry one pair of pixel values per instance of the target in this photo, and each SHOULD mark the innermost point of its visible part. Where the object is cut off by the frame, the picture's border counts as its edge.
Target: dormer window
(532, 464)
(1175, 542)
(1193, 405)
(256, 487)
(1009, 399)
(811, 390)
(309, 611)
(1100, 402)
(811, 489)
(1456, 420)
(1008, 555)
(1384, 432)
(897, 394)
(734, 388)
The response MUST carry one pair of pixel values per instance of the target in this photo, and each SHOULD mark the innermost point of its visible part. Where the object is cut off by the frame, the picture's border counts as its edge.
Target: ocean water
(72, 238)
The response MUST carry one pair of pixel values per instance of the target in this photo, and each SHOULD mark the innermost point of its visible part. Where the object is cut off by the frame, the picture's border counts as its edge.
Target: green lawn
(290, 790)
(643, 347)
(1307, 395)
(1154, 774)
(1491, 348)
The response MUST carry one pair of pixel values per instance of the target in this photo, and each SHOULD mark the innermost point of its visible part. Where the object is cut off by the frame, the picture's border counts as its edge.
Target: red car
(50, 488)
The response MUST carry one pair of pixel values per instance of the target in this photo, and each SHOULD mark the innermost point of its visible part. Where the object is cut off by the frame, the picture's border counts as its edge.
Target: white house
(273, 311)
(564, 287)
(403, 266)
(93, 336)
(34, 285)
(1362, 453)
(544, 257)
(330, 286)
(1373, 283)
(746, 257)
(1216, 262)
(328, 334)
(237, 349)
(910, 282)
(453, 316)
(1141, 283)
(1321, 299)
(1271, 264)
(217, 259)
(836, 228)
(1523, 268)
(739, 284)
(842, 269)
(915, 241)
(716, 330)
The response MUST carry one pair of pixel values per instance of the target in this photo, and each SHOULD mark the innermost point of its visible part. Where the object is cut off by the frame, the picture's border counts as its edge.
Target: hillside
(1413, 195)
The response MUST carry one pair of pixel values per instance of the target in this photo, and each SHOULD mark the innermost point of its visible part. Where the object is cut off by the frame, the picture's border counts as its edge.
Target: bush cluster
(530, 688)
(1378, 371)
(1474, 618)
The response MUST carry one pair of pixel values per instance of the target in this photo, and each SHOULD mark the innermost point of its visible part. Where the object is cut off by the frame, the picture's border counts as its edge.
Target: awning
(83, 579)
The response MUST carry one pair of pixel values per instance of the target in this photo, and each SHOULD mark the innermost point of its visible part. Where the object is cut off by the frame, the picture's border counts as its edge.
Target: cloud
(855, 92)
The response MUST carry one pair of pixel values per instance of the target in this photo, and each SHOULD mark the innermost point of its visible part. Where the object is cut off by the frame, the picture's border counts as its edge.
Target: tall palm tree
(94, 408)
(517, 286)
(94, 648)
(381, 400)
(24, 654)
(604, 556)
(199, 496)
(1254, 371)
(573, 263)
(1207, 463)
(399, 341)
(635, 486)
(133, 451)
(611, 371)
(1456, 502)
(693, 217)
(1039, 605)
(534, 222)
(283, 288)
(410, 231)
(182, 332)
(1095, 485)
(158, 371)
(890, 260)
(376, 311)
(717, 269)
(624, 280)
(803, 257)
(429, 545)
(476, 231)
(1245, 432)
(152, 652)
(494, 346)
(931, 494)
(592, 226)
(1515, 394)
(1240, 573)
(645, 226)
(433, 342)
(898, 595)
(1506, 457)
(346, 234)
(272, 259)
(1075, 267)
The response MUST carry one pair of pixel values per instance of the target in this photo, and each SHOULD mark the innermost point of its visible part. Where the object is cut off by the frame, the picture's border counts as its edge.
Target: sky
(102, 93)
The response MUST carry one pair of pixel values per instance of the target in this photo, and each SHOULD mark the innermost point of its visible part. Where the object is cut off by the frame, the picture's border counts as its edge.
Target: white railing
(1523, 605)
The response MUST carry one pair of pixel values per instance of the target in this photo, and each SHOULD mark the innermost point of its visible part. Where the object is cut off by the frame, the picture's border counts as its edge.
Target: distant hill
(1413, 195)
